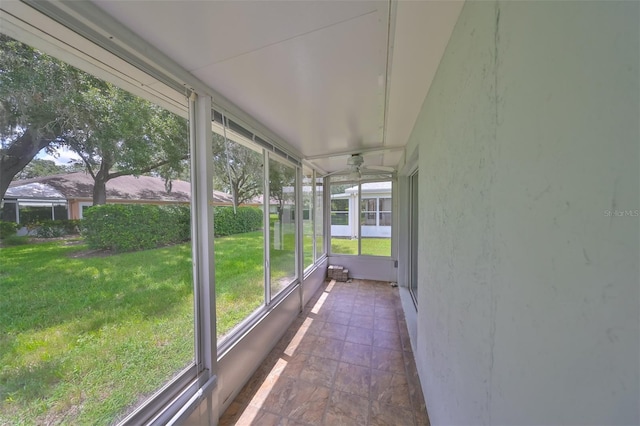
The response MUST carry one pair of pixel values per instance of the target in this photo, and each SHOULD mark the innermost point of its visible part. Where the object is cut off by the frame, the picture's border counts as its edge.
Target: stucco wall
(529, 290)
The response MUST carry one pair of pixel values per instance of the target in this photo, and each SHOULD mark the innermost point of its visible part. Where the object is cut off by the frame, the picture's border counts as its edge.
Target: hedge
(54, 228)
(245, 219)
(7, 229)
(128, 227)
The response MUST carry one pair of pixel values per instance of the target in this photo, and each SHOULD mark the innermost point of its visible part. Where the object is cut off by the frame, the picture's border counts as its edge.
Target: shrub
(7, 229)
(128, 227)
(54, 228)
(14, 240)
(228, 222)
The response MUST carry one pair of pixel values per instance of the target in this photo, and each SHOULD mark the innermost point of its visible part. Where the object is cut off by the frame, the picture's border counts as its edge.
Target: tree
(45, 104)
(126, 135)
(237, 170)
(39, 167)
(39, 105)
(282, 180)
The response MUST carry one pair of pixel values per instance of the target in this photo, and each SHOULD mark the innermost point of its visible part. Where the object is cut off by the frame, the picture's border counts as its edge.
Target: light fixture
(355, 174)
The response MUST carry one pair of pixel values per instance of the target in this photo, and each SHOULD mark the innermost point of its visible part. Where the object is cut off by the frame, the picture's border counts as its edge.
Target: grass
(81, 339)
(369, 246)
(84, 339)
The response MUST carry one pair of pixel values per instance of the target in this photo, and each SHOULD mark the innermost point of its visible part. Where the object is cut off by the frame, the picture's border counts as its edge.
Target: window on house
(9, 212)
(340, 212)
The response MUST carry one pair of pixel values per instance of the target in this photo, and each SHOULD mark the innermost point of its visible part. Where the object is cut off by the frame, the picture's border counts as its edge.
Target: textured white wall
(529, 293)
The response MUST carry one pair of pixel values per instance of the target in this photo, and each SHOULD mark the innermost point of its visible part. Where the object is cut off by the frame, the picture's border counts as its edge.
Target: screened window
(369, 211)
(89, 333)
(340, 212)
(282, 225)
(238, 229)
(319, 218)
(9, 212)
(308, 216)
(365, 230)
(385, 212)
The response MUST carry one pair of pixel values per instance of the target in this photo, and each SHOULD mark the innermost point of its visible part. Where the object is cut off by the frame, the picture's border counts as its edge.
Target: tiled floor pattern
(346, 360)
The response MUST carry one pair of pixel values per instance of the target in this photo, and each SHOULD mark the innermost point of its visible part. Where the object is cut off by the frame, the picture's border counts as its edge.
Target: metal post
(313, 217)
(299, 237)
(202, 234)
(359, 218)
(267, 226)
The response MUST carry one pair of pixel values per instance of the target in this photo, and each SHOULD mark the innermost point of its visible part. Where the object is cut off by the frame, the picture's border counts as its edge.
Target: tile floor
(346, 360)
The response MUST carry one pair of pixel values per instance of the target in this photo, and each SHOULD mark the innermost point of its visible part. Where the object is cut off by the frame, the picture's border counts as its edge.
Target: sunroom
(498, 141)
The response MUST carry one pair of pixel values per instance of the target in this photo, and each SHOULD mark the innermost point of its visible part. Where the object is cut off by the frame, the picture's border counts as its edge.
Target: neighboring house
(66, 196)
(375, 208)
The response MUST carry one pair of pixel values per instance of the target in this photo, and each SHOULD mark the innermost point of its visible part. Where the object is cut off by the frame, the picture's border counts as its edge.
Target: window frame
(392, 178)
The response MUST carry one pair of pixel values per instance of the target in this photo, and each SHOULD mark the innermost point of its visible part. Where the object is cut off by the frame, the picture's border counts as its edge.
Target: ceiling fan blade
(381, 168)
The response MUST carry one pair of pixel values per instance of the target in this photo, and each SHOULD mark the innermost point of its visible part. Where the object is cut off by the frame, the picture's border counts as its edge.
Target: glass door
(413, 237)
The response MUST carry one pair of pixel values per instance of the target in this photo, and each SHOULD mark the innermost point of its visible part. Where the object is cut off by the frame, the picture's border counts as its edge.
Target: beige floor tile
(254, 416)
(293, 365)
(359, 335)
(362, 320)
(306, 403)
(386, 324)
(339, 317)
(388, 360)
(355, 353)
(346, 409)
(319, 371)
(328, 347)
(346, 360)
(384, 339)
(353, 379)
(273, 393)
(385, 415)
(390, 388)
(334, 330)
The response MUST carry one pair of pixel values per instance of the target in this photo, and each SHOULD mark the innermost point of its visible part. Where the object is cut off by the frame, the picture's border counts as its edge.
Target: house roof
(80, 185)
(372, 187)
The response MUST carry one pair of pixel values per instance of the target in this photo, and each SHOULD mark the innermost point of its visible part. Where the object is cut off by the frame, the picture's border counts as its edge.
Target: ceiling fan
(356, 168)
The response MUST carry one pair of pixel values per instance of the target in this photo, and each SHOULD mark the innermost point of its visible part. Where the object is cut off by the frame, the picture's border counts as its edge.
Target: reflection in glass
(319, 218)
(343, 219)
(282, 226)
(308, 216)
(239, 238)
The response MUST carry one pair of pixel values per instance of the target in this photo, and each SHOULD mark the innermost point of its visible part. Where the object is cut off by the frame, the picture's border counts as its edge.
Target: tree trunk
(17, 156)
(100, 185)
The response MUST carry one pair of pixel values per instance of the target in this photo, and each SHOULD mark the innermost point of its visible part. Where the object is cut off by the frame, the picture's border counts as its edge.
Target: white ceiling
(313, 72)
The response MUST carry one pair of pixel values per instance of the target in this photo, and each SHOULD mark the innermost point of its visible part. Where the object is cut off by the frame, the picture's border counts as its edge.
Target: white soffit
(313, 72)
(422, 31)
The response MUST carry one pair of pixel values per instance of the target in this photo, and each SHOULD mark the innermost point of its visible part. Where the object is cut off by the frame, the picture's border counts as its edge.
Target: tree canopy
(237, 170)
(39, 105)
(45, 104)
(40, 167)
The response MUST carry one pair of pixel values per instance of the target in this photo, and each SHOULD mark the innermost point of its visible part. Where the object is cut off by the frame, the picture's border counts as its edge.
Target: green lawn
(81, 339)
(370, 246)
(84, 338)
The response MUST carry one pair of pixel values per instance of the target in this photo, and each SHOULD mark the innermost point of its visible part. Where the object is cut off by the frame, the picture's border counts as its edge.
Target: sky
(64, 156)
